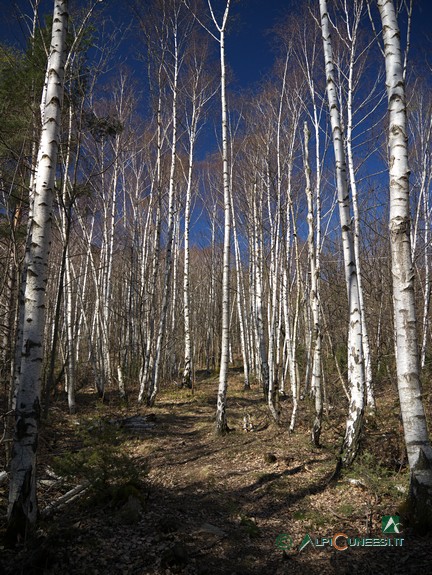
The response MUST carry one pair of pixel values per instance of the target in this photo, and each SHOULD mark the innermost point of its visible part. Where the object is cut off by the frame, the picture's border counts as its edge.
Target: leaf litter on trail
(217, 506)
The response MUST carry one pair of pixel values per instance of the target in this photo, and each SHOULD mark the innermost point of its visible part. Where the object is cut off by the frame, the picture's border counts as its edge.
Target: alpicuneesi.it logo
(391, 524)
(341, 541)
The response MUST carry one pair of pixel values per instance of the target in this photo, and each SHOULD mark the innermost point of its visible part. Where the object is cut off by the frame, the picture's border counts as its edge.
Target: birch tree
(355, 55)
(221, 421)
(316, 384)
(356, 375)
(22, 510)
(309, 54)
(197, 95)
(157, 47)
(19, 111)
(407, 358)
(420, 123)
(173, 20)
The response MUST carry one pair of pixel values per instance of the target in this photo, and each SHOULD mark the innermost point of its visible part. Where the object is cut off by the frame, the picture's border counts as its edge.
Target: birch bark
(198, 96)
(352, 36)
(407, 361)
(172, 208)
(187, 371)
(22, 510)
(221, 421)
(356, 374)
(316, 385)
(240, 297)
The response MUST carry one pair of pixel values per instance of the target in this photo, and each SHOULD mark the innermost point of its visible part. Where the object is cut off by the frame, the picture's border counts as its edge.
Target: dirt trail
(217, 505)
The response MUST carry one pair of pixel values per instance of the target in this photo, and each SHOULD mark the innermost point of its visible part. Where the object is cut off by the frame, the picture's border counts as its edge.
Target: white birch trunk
(427, 284)
(425, 137)
(22, 510)
(210, 351)
(198, 98)
(172, 367)
(291, 326)
(172, 207)
(67, 283)
(316, 384)
(370, 399)
(187, 371)
(408, 373)
(92, 332)
(274, 323)
(294, 368)
(150, 300)
(221, 419)
(258, 289)
(240, 299)
(356, 375)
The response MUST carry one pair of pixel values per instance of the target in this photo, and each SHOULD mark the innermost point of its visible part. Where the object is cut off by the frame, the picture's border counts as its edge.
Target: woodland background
(134, 300)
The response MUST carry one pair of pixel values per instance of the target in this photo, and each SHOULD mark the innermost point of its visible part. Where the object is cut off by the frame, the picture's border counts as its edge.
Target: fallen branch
(357, 483)
(65, 499)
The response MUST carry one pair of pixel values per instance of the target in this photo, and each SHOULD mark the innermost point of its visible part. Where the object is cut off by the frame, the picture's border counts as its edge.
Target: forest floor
(173, 498)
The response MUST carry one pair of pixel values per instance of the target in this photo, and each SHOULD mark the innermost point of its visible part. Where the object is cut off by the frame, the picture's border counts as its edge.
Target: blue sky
(249, 46)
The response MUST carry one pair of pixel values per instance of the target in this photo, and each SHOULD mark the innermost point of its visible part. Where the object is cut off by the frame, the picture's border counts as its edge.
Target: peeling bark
(356, 372)
(417, 442)
(22, 511)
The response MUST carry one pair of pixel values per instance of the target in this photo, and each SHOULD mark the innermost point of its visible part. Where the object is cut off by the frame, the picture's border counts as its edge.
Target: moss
(312, 517)
(347, 509)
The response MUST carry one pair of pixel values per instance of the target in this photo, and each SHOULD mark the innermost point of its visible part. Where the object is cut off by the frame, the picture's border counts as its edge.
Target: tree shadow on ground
(192, 531)
(213, 507)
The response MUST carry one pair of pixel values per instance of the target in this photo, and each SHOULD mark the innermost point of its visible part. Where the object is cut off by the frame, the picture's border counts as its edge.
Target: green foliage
(102, 462)
(368, 469)
(15, 103)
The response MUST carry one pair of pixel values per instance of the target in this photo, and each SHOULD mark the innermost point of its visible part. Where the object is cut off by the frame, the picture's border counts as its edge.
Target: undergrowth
(103, 464)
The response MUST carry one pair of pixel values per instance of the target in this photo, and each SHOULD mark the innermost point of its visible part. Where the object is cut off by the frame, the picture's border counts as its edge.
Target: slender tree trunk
(210, 335)
(274, 323)
(67, 284)
(407, 362)
(356, 375)
(292, 248)
(258, 288)
(356, 235)
(198, 98)
(187, 371)
(240, 299)
(173, 367)
(22, 510)
(221, 418)
(294, 368)
(70, 353)
(316, 384)
(424, 198)
(150, 300)
(172, 208)
(427, 284)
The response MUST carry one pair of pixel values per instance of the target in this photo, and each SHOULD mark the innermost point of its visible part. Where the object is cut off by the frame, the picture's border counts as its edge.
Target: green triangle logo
(306, 540)
(391, 524)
